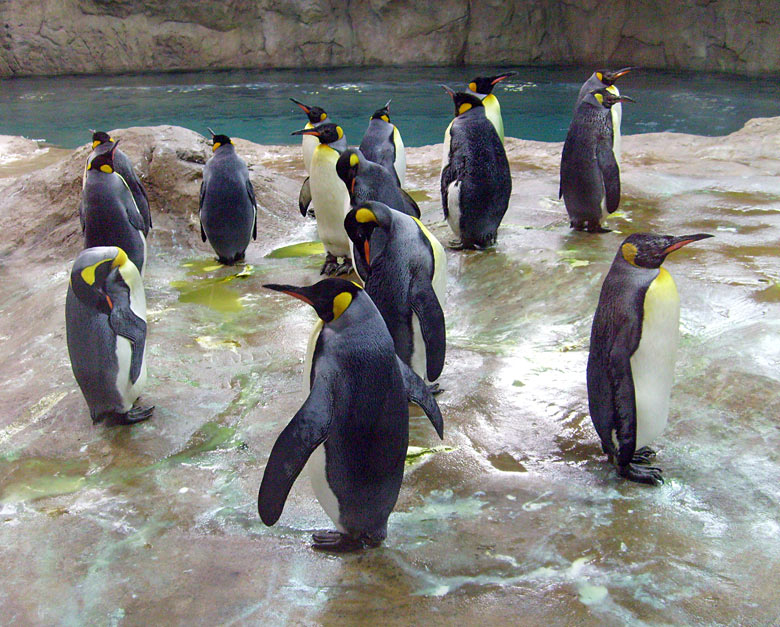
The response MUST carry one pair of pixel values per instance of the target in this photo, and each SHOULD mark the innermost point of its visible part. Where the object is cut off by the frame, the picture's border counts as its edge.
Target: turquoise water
(537, 103)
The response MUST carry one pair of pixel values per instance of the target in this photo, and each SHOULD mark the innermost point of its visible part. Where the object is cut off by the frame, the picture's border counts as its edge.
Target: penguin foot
(330, 266)
(641, 474)
(643, 456)
(310, 213)
(336, 542)
(344, 268)
(225, 261)
(434, 389)
(455, 244)
(136, 414)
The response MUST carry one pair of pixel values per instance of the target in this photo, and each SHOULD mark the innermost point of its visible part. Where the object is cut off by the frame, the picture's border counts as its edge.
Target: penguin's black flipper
(304, 197)
(610, 172)
(124, 322)
(622, 383)
(133, 212)
(447, 176)
(411, 206)
(425, 304)
(305, 432)
(200, 208)
(418, 392)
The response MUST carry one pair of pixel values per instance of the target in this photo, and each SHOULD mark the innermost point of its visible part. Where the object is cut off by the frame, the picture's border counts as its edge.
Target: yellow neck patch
(215, 146)
(473, 87)
(323, 116)
(120, 259)
(629, 252)
(386, 118)
(353, 159)
(339, 132)
(464, 107)
(599, 97)
(365, 215)
(340, 304)
(88, 273)
(106, 168)
(600, 76)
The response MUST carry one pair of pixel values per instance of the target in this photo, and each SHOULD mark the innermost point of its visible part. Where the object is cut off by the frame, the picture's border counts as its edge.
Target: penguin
(404, 271)
(367, 180)
(316, 115)
(382, 144)
(330, 196)
(228, 209)
(482, 86)
(353, 428)
(105, 324)
(475, 179)
(108, 213)
(606, 79)
(633, 346)
(590, 176)
(124, 168)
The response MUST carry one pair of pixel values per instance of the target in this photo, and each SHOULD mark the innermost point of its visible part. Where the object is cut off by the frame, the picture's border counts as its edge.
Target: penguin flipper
(304, 197)
(428, 309)
(610, 173)
(410, 205)
(419, 393)
(447, 177)
(125, 323)
(200, 208)
(623, 396)
(131, 208)
(250, 190)
(306, 431)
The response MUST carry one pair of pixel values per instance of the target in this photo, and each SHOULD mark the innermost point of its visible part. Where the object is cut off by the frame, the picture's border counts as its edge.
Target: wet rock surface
(518, 520)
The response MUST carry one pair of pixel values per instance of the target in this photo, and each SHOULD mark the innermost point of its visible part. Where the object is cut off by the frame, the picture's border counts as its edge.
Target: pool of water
(254, 104)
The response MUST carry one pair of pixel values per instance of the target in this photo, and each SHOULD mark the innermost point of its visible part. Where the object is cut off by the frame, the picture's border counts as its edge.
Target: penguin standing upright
(404, 269)
(606, 79)
(590, 176)
(330, 196)
(124, 168)
(367, 180)
(483, 86)
(475, 179)
(105, 324)
(228, 209)
(108, 213)
(354, 426)
(316, 115)
(633, 347)
(382, 144)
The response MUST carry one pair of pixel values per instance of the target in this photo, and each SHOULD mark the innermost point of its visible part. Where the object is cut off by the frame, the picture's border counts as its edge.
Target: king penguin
(105, 324)
(590, 176)
(633, 347)
(228, 209)
(601, 79)
(483, 86)
(475, 179)
(108, 213)
(330, 196)
(367, 180)
(353, 428)
(124, 168)
(404, 269)
(382, 144)
(316, 115)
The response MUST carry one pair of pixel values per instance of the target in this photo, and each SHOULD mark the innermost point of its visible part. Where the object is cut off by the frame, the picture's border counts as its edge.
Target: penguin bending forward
(633, 347)
(404, 269)
(382, 144)
(366, 180)
(475, 179)
(105, 324)
(316, 115)
(228, 209)
(590, 175)
(108, 213)
(353, 428)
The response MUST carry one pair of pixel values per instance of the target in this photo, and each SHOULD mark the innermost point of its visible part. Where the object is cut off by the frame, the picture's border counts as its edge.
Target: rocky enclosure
(107, 36)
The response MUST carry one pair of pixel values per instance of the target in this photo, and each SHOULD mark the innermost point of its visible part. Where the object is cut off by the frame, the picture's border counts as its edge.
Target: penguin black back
(378, 144)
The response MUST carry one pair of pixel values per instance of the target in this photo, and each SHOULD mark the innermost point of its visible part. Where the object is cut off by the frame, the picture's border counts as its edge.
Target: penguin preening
(633, 347)
(108, 213)
(404, 269)
(483, 86)
(228, 209)
(330, 196)
(475, 180)
(366, 180)
(124, 167)
(353, 428)
(105, 323)
(382, 144)
(590, 176)
(316, 115)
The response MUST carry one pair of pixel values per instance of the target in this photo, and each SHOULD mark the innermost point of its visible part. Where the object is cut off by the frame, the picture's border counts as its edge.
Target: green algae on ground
(417, 454)
(301, 249)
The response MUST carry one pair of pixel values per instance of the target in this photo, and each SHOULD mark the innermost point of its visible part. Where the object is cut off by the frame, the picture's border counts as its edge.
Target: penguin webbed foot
(136, 414)
(650, 475)
(310, 213)
(456, 244)
(337, 542)
(434, 389)
(330, 266)
(643, 456)
(344, 268)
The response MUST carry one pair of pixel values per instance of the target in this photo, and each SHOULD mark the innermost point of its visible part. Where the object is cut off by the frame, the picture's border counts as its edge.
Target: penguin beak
(213, 134)
(387, 106)
(448, 90)
(367, 252)
(306, 108)
(296, 292)
(623, 72)
(684, 240)
(307, 131)
(501, 77)
(626, 99)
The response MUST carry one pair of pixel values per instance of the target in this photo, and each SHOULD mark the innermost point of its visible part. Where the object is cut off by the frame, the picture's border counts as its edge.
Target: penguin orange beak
(626, 99)
(448, 90)
(366, 250)
(307, 131)
(684, 240)
(623, 72)
(306, 108)
(501, 77)
(290, 290)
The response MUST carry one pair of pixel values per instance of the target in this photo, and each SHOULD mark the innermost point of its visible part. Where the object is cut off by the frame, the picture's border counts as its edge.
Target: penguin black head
(484, 84)
(327, 133)
(330, 297)
(608, 77)
(361, 224)
(104, 160)
(463, 100)
(383, 113)
(218, 140)
(100, 137)
(607, 99)
(90, 272)
(348, 167)
(648, 250)
(315, 114)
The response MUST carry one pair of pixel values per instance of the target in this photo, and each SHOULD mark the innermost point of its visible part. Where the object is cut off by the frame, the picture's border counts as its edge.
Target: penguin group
(379, 342)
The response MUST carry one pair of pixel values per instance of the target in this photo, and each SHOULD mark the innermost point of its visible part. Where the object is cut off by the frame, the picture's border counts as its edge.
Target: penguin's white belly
(330, 197)
(652, 364)
(419, 363)
(128, 391)
(453, 207)
(400, 157)
(617, 116)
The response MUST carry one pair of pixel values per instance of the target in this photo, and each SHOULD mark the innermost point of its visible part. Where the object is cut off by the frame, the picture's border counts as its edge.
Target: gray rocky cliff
(107, 36)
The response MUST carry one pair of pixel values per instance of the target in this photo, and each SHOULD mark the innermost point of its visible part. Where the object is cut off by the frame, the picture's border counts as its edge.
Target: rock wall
(96, 36)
